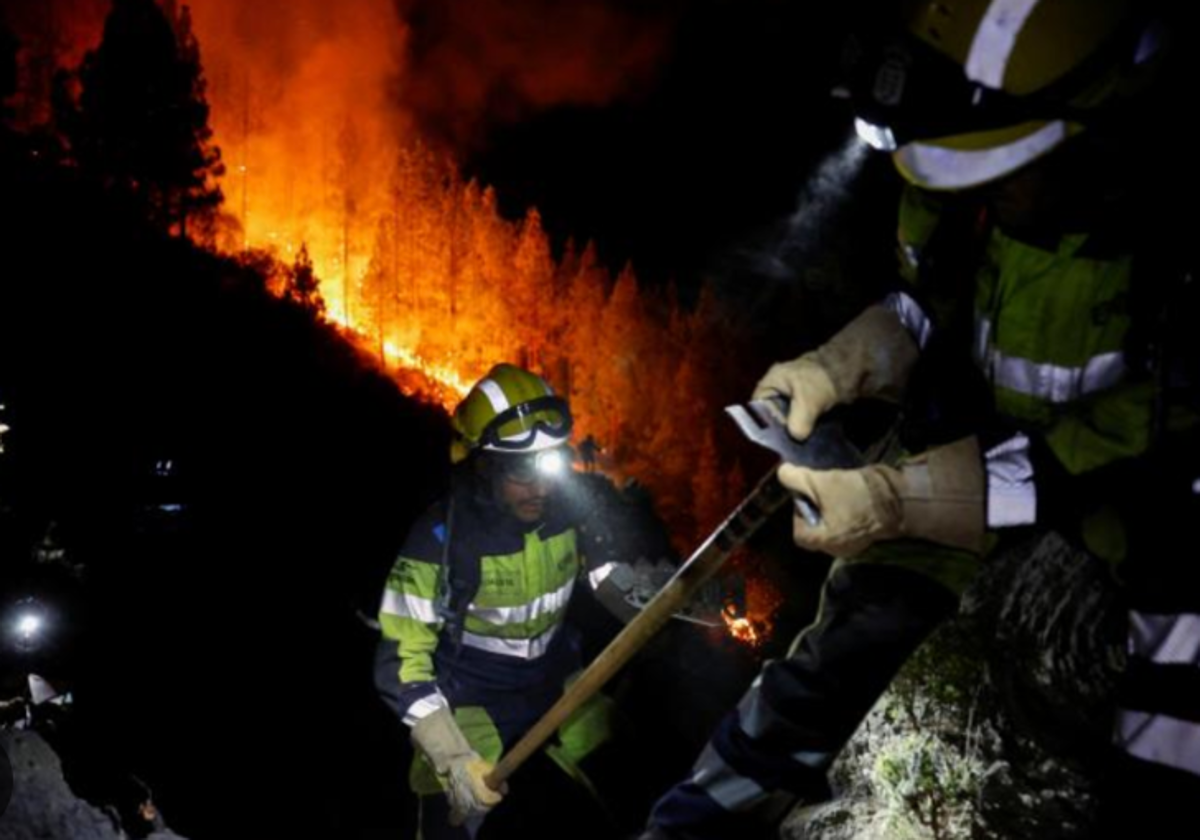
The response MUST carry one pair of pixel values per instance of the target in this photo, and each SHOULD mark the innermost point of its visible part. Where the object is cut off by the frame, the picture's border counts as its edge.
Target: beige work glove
(937, 496)
(438, 736)
(872, 356)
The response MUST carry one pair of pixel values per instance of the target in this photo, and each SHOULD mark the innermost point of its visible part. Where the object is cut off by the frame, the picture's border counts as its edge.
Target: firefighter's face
(521, 488)
(1050, 195)
(525, 497)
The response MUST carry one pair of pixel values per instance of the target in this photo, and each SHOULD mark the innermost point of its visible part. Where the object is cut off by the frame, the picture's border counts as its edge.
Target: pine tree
(141, 126)
(533, 289)
(303, 286)
(379, 286)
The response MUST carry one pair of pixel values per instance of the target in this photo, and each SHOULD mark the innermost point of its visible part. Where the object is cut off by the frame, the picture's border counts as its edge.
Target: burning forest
(322, 158)
(303, 153)
(281, 276)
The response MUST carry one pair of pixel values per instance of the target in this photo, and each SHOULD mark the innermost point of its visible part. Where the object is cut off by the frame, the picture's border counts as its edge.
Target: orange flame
(319, 111)
(755, 624)
(742, 629)
(445, 386)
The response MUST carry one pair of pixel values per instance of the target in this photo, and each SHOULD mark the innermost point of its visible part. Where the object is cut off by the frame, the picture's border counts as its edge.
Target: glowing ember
(741, 629)
(753, 621)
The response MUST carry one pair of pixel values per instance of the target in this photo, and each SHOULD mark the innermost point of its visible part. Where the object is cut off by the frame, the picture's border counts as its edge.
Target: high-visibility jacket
(509, 660)
(1049, 333)
(512, 639)
(1052, 328)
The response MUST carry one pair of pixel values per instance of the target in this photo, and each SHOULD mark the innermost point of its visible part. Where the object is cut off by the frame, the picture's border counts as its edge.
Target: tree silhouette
(141, 125)
(302, 284)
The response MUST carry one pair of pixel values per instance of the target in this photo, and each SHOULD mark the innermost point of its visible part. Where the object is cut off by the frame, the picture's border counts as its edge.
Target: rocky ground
(43, 807)
(996, 727)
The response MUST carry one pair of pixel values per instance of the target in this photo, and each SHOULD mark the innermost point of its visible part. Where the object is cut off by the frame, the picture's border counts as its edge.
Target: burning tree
(141, 123)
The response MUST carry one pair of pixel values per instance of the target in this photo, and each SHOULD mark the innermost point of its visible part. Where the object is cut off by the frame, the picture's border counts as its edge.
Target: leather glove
(872, 356)
(438, 736)
(937, 496)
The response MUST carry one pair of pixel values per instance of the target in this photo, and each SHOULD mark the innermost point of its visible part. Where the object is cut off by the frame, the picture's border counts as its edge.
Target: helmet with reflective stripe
(977, 89)
(509, 410)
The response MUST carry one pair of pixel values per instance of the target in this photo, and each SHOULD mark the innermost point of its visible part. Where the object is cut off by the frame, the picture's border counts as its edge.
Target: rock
(996, 727)
(43, 806)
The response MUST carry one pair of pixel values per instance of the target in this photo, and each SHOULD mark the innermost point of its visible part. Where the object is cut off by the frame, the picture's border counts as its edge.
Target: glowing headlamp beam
(551, 463)
(29, 626)
(876, 136)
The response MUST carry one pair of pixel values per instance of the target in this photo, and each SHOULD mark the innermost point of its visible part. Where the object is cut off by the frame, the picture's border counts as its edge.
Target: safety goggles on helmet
(531, 425)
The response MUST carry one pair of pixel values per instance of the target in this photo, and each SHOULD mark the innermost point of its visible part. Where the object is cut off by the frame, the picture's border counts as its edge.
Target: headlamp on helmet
(974, 90)
(546, 465)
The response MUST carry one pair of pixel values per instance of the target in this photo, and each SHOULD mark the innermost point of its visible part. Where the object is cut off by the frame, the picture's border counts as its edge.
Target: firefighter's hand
(858, 507)
(467, 791)
(456, 763)
(938, 496)
(872, 356)
(807, 386)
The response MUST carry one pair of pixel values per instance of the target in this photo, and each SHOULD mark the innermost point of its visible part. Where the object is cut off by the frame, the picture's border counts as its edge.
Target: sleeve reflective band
(1165, 639)
(911, 315)
(598, 575)
(1012, 494)
(1160, 739)
(407, 605)
(425, 706)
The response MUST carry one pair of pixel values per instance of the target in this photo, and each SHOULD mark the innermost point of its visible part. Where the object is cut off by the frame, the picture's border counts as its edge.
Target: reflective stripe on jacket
(512, 642)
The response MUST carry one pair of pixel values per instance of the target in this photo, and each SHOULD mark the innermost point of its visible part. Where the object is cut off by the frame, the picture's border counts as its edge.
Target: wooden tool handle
(766, 498)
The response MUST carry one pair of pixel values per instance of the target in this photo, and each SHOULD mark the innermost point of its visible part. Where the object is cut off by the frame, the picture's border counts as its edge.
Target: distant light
(29, 626)
(876, 136)
(551, 463)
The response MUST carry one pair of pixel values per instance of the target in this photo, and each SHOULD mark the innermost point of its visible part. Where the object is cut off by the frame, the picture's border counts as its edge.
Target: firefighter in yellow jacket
(1014, 346)
(475, 643)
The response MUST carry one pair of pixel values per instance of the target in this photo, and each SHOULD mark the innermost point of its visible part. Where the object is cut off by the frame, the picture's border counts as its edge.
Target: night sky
(716, 146)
